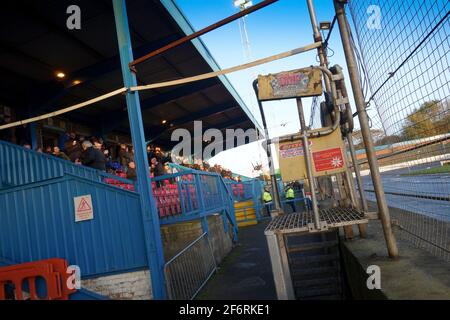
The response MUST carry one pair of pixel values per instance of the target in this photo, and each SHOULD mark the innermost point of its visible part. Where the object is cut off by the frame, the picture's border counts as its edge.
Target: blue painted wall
(37, 221)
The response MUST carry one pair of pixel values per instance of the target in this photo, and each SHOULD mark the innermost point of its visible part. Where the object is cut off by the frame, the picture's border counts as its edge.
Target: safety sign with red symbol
(329, 159)
(83, 208)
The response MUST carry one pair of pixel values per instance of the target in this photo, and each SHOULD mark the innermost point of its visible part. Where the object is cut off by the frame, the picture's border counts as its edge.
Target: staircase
(314, 263)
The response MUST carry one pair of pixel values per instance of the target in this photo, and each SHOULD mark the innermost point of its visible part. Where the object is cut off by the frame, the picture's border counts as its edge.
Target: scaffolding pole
(365, 130)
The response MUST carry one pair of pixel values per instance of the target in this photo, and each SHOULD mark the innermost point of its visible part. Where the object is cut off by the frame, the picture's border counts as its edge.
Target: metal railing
(250, 190)
(193, 193)
(188, 271)
(19, 166)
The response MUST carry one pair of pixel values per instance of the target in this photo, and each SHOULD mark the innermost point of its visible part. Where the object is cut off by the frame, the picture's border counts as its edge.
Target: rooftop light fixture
(243, 4)
(325, 25)
(60, 75)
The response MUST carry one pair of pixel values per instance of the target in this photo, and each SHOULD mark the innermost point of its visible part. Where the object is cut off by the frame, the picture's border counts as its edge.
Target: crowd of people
(117, 159)
(205, 166)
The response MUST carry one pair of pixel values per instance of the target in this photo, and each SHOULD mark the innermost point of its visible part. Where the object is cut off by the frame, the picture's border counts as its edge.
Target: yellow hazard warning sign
(328, 157)
(83, 208)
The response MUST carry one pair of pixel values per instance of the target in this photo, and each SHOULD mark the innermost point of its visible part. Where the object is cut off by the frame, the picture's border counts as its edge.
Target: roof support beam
(156, 132)
(117, 118)
(53, 90)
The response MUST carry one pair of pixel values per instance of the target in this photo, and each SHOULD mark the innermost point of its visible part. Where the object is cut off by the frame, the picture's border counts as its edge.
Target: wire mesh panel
(188, 271)
(403, 52)
(298, 222)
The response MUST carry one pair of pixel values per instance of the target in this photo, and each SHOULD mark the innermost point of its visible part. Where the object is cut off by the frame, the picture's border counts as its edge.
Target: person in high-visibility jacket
(267, 199)
(290, 196)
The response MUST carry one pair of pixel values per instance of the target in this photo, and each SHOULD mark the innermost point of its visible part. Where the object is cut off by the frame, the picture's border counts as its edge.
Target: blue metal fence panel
(37, 221)
(199, 193)
(19, 165)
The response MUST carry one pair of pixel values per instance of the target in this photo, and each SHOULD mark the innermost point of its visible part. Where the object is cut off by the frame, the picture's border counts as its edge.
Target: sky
(280, 27)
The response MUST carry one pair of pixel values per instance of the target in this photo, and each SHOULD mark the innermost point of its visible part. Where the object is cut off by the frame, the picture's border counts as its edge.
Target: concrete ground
(246, 273)
(415, 275)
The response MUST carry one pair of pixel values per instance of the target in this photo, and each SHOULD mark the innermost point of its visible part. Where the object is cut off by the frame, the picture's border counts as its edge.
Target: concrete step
(305, 260)
(326, 297)
(327, 281)
(312, 246)
(317, 293)
(315, 271)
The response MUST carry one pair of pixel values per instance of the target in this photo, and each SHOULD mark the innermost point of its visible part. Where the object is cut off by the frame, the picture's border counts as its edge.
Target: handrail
(173, 175)
(118, 178)
(60, 178)
(185, 249)
(59, 165)
(35, 153)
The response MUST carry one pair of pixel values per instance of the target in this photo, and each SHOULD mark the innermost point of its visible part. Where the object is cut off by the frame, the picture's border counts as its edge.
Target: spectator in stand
(157, 170)
(131, 152)
(92, 157)
(108, 159)
(131, 172)
(124, 156)
(150, 153)
(98, 144)
(59, 154)
(48, 150)
(63, 139)
(27, 146)
(73, 148)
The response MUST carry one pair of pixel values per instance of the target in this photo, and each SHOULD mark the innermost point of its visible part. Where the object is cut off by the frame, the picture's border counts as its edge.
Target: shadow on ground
(246, 273)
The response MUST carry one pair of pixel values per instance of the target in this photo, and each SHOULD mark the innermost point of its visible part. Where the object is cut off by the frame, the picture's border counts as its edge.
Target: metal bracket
(342, 101)
(371, 215)
(323, 227)
(337, 77)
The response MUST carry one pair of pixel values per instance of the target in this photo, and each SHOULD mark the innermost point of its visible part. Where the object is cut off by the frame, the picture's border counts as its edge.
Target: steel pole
(365, 130)
(308, 163)
(150, 218)
(201, 32)
(273, 178)
(318, 38)
(351, 147)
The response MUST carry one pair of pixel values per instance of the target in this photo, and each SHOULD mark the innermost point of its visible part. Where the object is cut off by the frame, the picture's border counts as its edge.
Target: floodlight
(325, 25)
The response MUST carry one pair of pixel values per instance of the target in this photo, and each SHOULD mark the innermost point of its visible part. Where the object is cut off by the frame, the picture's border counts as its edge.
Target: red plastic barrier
(52, 271)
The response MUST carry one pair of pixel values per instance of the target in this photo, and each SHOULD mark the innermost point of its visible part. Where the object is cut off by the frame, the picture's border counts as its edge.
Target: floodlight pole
(365, 130)
(318, 38)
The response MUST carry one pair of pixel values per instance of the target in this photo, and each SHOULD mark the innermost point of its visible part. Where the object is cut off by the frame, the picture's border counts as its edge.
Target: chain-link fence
(403, 52)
